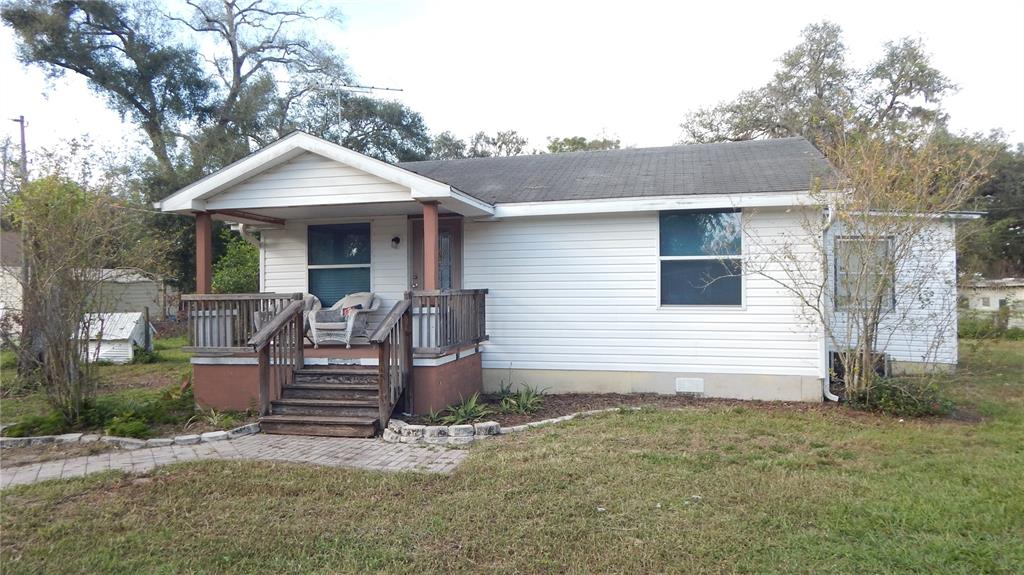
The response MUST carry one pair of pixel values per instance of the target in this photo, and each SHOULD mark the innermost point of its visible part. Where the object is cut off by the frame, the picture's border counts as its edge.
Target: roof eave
(658, 203)
(192, 198)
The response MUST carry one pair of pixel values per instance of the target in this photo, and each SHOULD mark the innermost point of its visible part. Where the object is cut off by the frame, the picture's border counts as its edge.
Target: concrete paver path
(371, 454)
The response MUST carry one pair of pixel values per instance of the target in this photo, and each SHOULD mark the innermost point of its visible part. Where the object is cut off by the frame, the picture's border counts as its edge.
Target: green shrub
(214, 418)
(238, 270)
(466, 411)
(128, 425)
(119, 411)
(978, 327)
(525, 401)
(904, 397)
(32, 425)
(168, 406)
(1014, 333)
(143, 355)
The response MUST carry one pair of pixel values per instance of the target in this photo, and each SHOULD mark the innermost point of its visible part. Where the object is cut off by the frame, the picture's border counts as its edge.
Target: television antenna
(354, 88)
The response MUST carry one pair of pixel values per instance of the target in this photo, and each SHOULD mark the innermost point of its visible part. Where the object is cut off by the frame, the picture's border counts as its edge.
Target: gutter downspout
(825, 379)
(247, 236)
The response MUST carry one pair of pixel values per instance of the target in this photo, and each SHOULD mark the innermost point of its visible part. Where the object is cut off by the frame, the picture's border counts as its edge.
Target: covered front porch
(329, 222)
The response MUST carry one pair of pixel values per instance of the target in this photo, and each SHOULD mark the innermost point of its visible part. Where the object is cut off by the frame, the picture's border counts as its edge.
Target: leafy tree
(994, 245)
(902, 91)
(580, 144)
(386, 130)
(446, 146)
(238, 270)
(502, 143)
(128, 55)
(261, 74)
(815, 94)
(10, 176)
(891, 194)
(72, 234)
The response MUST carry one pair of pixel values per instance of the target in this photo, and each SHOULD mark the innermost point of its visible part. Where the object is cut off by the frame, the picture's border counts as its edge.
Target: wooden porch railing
(448, 319)
(426, 323)
(224, 323)
(393, 340)
(279, 347)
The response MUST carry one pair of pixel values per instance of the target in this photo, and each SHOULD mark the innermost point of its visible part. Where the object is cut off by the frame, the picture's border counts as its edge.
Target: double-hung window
(863, 273)
(338, 257)
(701, 258)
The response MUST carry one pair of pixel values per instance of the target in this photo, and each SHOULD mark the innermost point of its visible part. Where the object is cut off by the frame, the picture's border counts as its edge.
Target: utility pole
(24, 151)
(27, 316)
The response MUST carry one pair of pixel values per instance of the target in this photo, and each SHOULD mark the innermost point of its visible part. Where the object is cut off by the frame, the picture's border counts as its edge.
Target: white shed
(114, 336)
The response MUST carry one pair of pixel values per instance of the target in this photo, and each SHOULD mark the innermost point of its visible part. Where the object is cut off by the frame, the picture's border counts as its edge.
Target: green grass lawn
(707, 489)
(135, 381)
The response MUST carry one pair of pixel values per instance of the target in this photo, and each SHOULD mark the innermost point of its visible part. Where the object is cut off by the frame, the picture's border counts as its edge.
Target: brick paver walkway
(372, 454)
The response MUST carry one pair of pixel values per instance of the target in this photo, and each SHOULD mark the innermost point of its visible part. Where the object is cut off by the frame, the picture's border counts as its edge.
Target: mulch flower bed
(557, 405)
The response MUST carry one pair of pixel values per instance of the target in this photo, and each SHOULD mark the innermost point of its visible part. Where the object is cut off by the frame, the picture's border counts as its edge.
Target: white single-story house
(989, 296)
(571, 272)
(114, 337)
(122, 290)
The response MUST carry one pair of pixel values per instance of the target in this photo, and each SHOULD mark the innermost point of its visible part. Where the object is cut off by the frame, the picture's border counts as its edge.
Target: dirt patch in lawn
(15, 456)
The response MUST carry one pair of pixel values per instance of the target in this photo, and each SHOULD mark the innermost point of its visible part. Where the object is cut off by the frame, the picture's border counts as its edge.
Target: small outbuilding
(114, 337)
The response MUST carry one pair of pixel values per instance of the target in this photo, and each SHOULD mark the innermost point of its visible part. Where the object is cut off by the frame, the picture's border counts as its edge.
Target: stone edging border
(399, 431)
(131, 442)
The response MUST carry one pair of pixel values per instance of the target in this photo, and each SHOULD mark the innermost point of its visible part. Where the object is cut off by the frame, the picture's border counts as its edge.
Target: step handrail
(270, 329)
(393, 340)
(279, 347)
(389, 321)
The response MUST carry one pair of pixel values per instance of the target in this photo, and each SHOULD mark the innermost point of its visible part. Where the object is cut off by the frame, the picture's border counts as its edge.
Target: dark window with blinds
(338, 260)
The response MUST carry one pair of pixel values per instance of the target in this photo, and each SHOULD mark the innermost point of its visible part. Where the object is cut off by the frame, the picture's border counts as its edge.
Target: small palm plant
(524, 401)
(466, 411)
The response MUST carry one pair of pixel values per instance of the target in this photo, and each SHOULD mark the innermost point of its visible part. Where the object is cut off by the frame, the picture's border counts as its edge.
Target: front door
(449, 259)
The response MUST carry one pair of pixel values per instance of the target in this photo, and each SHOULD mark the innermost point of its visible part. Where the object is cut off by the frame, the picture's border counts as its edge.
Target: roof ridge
(617, 150)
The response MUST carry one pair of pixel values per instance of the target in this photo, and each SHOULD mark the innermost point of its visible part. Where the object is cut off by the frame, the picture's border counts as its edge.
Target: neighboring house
(990, 296)
(123, 290)
(10, 269)
(570, 272)
(114, 337)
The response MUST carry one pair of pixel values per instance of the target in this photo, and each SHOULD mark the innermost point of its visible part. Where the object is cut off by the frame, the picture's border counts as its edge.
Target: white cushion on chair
(364, 299)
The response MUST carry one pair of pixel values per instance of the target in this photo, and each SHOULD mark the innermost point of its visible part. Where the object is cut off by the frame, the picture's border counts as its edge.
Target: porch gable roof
(194, 197)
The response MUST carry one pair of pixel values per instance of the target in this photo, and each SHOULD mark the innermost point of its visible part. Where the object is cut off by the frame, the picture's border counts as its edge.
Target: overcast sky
(626, 70)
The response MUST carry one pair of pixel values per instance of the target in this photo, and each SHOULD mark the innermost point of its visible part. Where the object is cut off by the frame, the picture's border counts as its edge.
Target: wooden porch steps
(333, 400)
(319, 425)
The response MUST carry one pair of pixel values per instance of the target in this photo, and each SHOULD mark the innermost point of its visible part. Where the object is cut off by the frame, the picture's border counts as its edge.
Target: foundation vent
(694, 385)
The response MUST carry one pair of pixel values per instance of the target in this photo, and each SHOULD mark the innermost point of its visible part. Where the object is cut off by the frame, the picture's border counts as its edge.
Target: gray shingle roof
(779, 165)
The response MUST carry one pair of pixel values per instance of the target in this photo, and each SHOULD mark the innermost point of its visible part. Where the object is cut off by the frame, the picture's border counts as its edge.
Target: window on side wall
(338, 258)
(863, 270)
(701, 258)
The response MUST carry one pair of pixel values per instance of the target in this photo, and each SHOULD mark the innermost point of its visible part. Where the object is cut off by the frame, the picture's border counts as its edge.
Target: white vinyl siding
(310, 179)
(922, 326)
(116, 351)
(582, 293)
(134, 296)
(283, 266)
